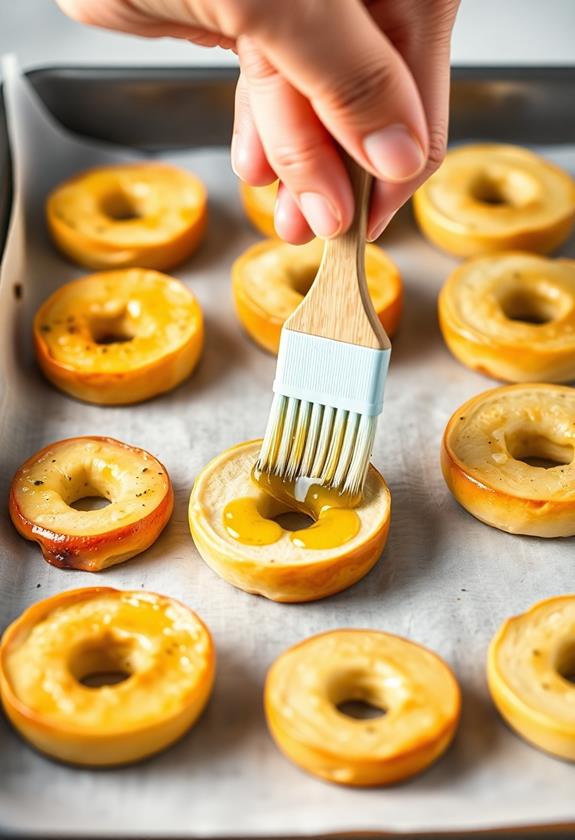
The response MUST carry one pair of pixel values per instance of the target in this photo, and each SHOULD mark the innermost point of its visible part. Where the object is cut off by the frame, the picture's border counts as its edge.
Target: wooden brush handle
(338, 305)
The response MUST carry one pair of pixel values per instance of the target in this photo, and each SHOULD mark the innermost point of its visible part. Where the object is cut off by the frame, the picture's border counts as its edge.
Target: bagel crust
(119, 337)
(270, 279)
(281, 571)
(512, 316)
(495, 197)
(136, 484)
(307, 685)
(530, 670)
(159, 648)
(133, 215)
(507, 457)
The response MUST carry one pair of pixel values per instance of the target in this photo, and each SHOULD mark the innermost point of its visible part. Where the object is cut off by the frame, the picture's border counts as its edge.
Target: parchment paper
(444, 580)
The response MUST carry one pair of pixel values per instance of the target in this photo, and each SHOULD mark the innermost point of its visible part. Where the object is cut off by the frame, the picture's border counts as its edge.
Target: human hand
(372, 76)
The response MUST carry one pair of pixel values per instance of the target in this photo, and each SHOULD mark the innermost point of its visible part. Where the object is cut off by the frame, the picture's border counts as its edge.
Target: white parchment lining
(445, 580)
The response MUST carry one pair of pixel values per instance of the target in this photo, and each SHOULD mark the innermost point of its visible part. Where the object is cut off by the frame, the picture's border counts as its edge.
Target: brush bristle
(311, 440)
(322, 422)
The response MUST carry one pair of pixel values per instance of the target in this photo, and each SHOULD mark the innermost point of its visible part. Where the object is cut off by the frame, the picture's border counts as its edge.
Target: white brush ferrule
(322, 370)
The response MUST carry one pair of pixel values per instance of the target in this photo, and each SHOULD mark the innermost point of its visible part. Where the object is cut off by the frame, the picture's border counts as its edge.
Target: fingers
(289, 221)
(311, 76)
(148, 19)
(386, 198)
(297, 145)
(249, 160)
(118, 15)
(427, 53)
(360, 87)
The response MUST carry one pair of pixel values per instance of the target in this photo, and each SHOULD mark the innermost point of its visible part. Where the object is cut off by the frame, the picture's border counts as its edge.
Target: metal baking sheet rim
(559, 831)
(466, 73)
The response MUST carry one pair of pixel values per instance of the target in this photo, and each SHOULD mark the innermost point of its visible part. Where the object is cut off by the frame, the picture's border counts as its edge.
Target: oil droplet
(305, 494)
(334, 527)
(335, 520)
(244, 523)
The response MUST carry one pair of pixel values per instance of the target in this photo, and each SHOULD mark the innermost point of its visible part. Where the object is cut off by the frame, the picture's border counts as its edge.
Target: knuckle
(242, 97)
(257, 68)
(293, 158)
(437, 148)
(362, 90)
(240, 17)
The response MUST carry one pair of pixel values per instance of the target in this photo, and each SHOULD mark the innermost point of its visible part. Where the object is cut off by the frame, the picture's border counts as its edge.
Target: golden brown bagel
(307, 685)
(281, 570)
(507, 457)
(47, 484)
(270, 279)
(132, 215)
(152, 658)
(531, 671)
(512, 316)
(119, 337)
(495, 197)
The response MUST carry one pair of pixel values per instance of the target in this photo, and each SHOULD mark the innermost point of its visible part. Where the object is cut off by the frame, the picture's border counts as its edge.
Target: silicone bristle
(323, 441)
(320, 442)
(328, 395)
(313, 433)
(274, 429)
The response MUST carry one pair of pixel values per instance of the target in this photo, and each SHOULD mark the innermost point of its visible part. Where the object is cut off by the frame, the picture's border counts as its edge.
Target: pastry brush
(331, 369)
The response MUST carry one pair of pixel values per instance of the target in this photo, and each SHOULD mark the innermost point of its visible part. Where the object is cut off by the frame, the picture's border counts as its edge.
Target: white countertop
(487, 32)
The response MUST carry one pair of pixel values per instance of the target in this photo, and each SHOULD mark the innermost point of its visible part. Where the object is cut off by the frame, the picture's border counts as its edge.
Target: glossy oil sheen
(335, 520)
(244, 523)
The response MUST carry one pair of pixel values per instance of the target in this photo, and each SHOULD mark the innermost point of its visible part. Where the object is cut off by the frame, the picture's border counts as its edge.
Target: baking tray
(445, 579)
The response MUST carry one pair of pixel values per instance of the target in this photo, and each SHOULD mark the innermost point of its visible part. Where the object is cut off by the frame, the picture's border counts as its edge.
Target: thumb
(357, 82)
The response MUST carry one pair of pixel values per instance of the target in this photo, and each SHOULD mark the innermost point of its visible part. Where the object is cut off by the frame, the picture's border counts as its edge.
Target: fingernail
(378, 229)
(281, 215)
(319, 214)
(239, 154)
(394, 152)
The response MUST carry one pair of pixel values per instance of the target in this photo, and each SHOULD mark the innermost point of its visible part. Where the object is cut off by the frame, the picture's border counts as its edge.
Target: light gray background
(445, 580)
(487, 32)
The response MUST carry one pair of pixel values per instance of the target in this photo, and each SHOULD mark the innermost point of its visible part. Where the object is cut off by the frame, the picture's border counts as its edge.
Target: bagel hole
(102, 663)
(358, 695)
(120, 207)
(100, 678)
(360, 709)
(489, 191)
(114, 338)
(110, 330)
(90, 503)
(532, 307)
(293, 520)
(504, 189)
(566, 662)
(86, 496)
(538, 451)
